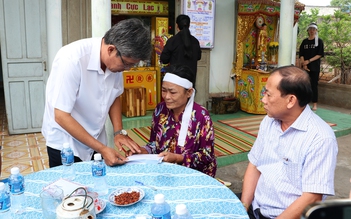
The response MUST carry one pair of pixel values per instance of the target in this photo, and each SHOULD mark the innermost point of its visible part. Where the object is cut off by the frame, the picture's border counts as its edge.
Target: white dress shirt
(300, 159)
(78, 86)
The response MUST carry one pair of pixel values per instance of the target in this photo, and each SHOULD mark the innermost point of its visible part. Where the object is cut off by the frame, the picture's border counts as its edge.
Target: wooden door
(202, 78)
(24, 57)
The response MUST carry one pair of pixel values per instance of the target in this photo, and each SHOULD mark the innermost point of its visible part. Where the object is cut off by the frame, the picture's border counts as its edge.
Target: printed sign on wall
(135, 7)
(201, 13)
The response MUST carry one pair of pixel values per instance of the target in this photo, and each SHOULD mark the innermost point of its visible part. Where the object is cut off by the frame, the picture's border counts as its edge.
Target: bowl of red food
(126, 196)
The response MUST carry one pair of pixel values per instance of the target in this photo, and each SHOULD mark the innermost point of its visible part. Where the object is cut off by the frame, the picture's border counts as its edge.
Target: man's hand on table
(123, 140)
(112, 157)
(130, 153)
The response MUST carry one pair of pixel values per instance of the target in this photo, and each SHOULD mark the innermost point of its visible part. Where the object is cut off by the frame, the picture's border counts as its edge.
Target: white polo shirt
(78, 86)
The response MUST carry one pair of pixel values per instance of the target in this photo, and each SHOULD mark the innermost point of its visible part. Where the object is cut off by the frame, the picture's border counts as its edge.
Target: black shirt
(308, 50)
(173, 52)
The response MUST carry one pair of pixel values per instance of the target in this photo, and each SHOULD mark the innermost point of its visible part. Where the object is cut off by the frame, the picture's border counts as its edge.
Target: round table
(203, 195)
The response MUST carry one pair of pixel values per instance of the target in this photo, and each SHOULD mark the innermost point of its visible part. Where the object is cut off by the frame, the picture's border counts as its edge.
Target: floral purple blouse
(198, 150)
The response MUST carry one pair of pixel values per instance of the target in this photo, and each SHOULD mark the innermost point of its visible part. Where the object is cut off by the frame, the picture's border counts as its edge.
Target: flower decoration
(273, 44)
(244, 94)
(241, 82)
(273, 48)
(251, 79)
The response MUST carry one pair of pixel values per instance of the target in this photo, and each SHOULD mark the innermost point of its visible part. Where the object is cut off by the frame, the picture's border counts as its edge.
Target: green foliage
(335, 32)
(345, 5)
(304, 20)
(340, 2)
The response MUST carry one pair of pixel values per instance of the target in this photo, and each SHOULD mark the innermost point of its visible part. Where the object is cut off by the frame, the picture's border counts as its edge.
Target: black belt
(260, 216)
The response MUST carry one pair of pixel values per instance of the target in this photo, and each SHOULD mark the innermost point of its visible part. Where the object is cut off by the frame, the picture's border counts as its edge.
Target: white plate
(67, 186)
(118, 191)
(101, 203)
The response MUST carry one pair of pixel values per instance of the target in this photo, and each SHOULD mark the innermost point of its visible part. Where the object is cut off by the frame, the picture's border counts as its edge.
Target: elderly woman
(182, 130)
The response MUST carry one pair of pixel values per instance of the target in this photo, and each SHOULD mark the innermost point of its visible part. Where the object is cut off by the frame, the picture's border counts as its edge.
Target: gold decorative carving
(243, 26)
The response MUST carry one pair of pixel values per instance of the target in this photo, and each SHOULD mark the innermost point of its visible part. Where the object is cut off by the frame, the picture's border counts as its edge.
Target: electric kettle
(76, 207)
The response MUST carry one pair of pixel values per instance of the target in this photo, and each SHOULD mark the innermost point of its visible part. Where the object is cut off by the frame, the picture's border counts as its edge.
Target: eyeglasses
(126, 66)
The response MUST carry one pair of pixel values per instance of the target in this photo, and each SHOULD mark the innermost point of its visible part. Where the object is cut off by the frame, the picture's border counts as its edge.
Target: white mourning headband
(175, 79)
(316, 36)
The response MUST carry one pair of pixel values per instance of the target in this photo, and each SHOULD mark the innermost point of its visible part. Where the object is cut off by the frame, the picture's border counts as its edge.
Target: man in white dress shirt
(84, 87)
(293, 159)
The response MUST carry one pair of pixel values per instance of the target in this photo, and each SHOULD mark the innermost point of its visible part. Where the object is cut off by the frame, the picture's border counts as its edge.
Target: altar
(251, 88)
(257, 49)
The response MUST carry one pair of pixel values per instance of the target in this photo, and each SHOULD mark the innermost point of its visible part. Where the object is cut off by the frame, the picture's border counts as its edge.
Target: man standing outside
(311, 52)
(84, 87)
(293, 159)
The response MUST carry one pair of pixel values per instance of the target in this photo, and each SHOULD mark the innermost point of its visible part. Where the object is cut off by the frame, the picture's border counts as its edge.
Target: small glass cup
(51, 197)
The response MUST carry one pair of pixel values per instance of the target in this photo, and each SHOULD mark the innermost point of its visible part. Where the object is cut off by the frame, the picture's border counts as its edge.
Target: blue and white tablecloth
(203, 195)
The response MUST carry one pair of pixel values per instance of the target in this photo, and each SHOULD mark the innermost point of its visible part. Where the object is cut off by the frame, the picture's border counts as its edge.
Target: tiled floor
(27, 151)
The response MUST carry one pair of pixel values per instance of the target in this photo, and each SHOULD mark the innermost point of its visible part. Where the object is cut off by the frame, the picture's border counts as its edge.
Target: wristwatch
(120, 132)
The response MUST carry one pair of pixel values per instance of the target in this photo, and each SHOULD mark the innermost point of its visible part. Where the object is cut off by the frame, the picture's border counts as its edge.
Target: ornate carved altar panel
(250, 90)
(251, 15)
(250, 55)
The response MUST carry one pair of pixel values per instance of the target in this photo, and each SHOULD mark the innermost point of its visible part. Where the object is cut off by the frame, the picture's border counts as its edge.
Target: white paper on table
(145, 158)
(67, 186)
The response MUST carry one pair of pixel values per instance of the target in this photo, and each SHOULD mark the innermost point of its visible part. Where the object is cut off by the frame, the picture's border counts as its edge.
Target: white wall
(54, 29)
(294, 42)
(223, 52)
(286, 32)
(101, 22)
(100, 17)
(323, 10)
